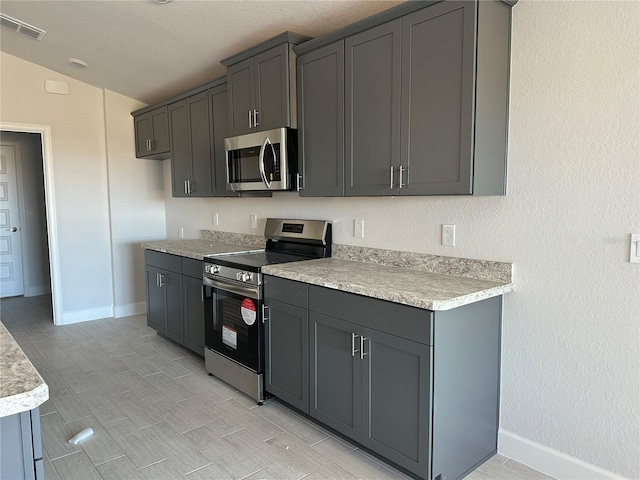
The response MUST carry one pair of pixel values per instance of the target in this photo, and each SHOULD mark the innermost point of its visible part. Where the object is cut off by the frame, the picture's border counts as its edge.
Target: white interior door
(11, 281)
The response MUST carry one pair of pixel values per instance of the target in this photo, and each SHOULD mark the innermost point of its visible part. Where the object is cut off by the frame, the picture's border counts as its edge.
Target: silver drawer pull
(362, 354)
(353, 344)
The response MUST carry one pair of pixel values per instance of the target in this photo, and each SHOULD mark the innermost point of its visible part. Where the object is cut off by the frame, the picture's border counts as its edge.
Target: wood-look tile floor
(156, 414)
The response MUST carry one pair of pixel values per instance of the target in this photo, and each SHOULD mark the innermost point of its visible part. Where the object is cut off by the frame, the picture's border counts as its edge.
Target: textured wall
(571, 345)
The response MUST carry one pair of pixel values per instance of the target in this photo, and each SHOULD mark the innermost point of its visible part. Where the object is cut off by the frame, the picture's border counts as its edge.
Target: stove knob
(245, 277)
(215, 269)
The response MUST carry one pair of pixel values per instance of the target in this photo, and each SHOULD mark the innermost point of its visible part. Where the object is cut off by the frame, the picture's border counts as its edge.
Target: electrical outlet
(449, 235)
(181, 232)
(254, 220)
(634, 253)
(216, 219)
(358, 228)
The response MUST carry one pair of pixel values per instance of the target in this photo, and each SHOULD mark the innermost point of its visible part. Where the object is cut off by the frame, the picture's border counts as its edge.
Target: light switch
(358, 228)
(254, 220)
(634, 251)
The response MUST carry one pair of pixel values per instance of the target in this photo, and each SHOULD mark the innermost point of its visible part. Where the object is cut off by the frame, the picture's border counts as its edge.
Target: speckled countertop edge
(21, 386)
(196, 249)
(416, 288)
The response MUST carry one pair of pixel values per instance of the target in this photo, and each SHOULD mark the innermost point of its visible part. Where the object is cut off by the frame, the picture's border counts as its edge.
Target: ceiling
(151, 51)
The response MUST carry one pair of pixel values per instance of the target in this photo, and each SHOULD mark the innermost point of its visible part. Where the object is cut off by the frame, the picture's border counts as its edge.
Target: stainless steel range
(234, 317)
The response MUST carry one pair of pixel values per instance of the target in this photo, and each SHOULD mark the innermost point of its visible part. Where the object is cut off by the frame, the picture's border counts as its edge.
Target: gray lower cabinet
(418, 388)
(175, 307)
(336, 371)
(287, 354)
(191, 165)
(21, 452)
(193, 313)
(152, 134)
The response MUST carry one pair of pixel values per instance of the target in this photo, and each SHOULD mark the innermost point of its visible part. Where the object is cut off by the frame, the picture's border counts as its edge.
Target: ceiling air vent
(21, 27)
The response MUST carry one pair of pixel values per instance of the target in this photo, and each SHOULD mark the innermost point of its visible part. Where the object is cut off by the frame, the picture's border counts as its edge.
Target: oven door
(233, 322)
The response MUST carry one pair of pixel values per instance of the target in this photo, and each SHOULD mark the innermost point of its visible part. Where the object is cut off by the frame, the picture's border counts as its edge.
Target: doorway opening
(28, 253)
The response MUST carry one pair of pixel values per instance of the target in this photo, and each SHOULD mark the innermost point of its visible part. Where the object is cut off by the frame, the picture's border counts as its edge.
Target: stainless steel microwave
(262, 161)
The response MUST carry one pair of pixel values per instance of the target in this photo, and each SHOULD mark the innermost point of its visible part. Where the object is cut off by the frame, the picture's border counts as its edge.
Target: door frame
(49, 195)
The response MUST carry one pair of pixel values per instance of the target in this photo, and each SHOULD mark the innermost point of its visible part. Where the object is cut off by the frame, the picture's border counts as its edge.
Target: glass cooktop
(255, 260)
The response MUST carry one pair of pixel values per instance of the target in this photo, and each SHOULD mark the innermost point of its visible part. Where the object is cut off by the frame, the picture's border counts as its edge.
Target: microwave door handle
(261, 162)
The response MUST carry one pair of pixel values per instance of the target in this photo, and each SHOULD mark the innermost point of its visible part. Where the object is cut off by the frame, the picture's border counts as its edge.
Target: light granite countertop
(197, 249)
(408, 286)
(21, 386)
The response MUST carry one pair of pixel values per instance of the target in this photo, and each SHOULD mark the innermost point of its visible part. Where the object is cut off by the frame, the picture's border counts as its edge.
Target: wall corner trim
(549, 461)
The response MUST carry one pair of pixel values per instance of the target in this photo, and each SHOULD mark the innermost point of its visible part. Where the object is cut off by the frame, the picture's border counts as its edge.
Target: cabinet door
(437, 109)
(219, 115)
(159, 131)
(142, 124)
(396, 399)
(193, 314)
(336, 374)
(321, 121)
(372, 99)
(199, 145)
(180, 168)
(240, 81)
(172, 285)
(156, 318)
(272, 88)
(287, 354)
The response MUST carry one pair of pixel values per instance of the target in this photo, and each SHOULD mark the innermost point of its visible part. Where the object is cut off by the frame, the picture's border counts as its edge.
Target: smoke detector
(21, 27)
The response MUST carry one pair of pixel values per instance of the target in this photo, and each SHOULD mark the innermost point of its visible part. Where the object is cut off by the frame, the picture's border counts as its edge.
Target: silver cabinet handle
(185, 187)
(255, 118)
(362, 354)
(266, 313)
(353, 344)
(150, 144)
(400, 184)
(157, 279)
(188, 187)
(161, 279)
(12, 229)
(391, 179)
(299, 182)
(250, 119)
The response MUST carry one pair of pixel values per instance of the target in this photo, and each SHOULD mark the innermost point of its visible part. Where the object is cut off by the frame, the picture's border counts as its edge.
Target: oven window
(232, 327)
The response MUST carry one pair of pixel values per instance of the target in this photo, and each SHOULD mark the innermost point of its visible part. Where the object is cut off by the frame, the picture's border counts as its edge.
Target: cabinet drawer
(393, 318)
(166, 261)
(287, 291)
(192, 267)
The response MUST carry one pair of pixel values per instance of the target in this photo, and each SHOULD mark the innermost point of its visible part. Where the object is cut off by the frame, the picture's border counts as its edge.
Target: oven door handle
(237, 289)
(261, 162)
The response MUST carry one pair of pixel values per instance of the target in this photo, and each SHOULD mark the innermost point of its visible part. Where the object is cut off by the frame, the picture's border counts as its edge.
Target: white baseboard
(37, 291)
(549, 461)
(130, 309)
(86, 315)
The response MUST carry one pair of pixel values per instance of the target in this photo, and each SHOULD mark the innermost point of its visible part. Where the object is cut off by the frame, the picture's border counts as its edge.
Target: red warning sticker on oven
(248, 311)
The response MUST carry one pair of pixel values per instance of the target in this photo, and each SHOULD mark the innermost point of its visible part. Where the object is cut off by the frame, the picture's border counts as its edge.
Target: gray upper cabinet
(218, 114)
(426, 91)
(259, 92)
(438, 91)
(191, 165)
(152, 134)
(262, 84)
(372, 112)
(321, 121)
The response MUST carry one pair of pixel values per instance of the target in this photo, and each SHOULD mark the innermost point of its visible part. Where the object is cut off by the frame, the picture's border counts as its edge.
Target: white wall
(136, 199)
(106, 200)
(571, 343)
